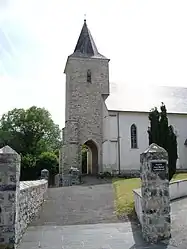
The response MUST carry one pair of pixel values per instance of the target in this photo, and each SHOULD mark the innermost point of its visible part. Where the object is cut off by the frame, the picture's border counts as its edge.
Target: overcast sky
(146, 41)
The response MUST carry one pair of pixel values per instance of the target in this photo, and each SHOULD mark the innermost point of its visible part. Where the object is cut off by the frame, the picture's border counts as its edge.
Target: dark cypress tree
(172, 151)
(160, 133)
(153, 130)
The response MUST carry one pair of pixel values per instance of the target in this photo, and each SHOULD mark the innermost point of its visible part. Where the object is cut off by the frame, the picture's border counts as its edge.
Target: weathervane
(85, 17)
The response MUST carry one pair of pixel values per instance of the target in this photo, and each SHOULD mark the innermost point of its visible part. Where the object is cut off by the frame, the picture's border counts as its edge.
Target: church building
(111, 119)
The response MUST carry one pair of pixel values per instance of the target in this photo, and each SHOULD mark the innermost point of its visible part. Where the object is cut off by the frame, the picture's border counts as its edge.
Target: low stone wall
(137, 203)
(130, 173)
(19, 201)
(124, 173)
(177, 190)
(31, 197)
(181, 170)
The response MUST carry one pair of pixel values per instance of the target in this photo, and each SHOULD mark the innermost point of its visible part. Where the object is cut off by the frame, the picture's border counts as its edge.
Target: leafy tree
(49, 161)
(162, 134)
(30, 131)
(57, 151)
(28, 168)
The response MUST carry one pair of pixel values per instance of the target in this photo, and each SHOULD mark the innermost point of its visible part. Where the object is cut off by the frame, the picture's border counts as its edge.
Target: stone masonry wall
(126, 173)
(9, 195)
(155, 194)
(32, 195)
(19, 201)
(84, 108)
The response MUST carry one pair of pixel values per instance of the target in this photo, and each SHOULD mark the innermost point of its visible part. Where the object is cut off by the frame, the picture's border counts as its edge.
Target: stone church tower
(87, 87)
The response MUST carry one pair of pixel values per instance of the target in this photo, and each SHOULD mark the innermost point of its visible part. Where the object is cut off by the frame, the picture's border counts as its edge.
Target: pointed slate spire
(85, 45)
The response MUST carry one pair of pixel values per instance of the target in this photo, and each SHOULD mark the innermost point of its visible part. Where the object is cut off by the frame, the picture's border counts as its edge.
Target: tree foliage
(49, 161)
(28, 167)
(163, 134)
(31, 133)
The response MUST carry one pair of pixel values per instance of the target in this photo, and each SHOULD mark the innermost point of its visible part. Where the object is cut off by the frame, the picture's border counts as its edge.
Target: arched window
(134, 144)
(89, 78)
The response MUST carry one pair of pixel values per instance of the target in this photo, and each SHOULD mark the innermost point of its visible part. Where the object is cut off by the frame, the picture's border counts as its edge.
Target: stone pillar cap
(8, 150)
(154, 148)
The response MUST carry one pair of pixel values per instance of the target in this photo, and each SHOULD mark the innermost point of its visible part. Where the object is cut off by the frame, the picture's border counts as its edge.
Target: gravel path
(92, 202)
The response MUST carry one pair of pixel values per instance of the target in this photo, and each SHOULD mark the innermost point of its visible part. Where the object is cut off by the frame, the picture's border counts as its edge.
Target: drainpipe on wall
(119, 159)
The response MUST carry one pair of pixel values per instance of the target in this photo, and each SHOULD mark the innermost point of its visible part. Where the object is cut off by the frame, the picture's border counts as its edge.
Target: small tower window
(89, 78)
(134, 144)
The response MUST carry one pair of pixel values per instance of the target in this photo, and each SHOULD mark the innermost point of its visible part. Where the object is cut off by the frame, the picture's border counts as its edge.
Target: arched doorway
(90, 158)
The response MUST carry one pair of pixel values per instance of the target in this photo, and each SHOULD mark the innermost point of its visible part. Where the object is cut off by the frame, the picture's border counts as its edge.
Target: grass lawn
(124, 199)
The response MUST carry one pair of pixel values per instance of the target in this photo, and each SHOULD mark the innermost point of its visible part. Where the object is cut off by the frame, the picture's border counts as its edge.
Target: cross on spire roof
(85, 45)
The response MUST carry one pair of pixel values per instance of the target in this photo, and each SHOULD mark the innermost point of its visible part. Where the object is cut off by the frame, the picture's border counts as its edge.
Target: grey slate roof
(85, 45)
(143, 98)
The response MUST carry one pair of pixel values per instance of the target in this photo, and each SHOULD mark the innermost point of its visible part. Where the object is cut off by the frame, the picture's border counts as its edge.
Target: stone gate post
(9, 194)
(155, 194)
(45, 174)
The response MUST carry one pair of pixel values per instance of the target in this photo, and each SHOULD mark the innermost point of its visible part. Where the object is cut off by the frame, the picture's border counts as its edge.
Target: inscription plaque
(158, 166)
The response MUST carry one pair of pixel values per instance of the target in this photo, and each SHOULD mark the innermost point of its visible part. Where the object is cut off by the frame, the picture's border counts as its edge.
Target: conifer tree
(163, 134)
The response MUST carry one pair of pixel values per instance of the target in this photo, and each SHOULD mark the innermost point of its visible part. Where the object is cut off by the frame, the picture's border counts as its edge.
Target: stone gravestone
(66, 180)
(9, 194)
(75, 175)
(45, 174)
(155, 194)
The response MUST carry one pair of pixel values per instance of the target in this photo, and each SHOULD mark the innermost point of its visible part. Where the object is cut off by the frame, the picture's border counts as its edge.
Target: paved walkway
(82, 204)
(68, 217)
(179, 223)
(94, 236)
